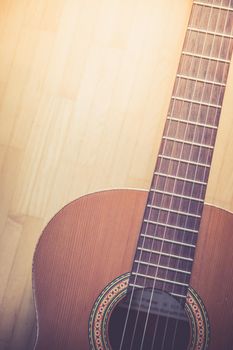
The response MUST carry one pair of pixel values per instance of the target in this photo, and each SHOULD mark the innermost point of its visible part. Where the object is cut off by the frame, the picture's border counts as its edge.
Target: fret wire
(178, 295)
(180, 178)
(168, 240)
(188, 142)
(208, 105)
(172, 293)
(187, 53)
(162, 267)
(160, 279)
(210, 32)
(169, 256)
(184, 161)
(165, 254)
(181, 228)
(135, 285)
(188, 134)
(198, 93)
(183, 76)
(212, 85)
(206, 4)
(196, 102)
(178, 109)
(205, 75)
(192, 123)
(156, 278)
(177, 195)
(173, 211)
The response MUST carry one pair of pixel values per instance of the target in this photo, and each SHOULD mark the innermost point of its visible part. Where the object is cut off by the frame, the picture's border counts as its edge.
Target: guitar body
(92, 241)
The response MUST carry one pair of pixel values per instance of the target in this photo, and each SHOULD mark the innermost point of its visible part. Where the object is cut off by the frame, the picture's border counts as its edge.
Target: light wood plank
(41, 157)
(12, 97)
(9, 241)
(10, 166)
(33, 90)
(16, 303)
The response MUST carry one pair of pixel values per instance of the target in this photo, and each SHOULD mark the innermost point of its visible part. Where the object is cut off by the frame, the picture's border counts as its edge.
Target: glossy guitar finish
(92, 241)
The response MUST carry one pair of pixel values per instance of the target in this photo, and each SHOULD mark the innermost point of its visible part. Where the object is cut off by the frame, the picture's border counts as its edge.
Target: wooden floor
(84, 90)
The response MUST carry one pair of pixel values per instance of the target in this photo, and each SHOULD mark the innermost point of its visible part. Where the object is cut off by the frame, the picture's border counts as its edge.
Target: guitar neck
(168, 236)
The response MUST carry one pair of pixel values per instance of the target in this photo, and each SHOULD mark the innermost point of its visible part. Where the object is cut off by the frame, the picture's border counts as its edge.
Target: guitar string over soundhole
(107, 308)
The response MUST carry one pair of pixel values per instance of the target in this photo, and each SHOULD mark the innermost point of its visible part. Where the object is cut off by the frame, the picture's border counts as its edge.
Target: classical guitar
(175, 296)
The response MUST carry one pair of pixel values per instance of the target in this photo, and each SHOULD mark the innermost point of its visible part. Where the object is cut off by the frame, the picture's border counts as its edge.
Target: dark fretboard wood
(168, 236)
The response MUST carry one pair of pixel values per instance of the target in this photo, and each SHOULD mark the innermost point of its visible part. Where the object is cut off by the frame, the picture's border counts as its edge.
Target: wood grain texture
(95, 239)
(212, 274)
(101, 231)
(84, 91)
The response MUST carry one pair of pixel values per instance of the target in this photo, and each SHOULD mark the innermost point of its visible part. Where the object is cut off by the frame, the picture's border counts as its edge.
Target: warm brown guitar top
(79, 254)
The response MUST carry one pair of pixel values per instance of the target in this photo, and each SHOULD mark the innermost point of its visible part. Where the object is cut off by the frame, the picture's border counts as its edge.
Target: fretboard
(171, 222)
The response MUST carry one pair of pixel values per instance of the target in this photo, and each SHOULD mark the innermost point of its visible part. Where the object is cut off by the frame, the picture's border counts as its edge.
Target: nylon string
(168, 209)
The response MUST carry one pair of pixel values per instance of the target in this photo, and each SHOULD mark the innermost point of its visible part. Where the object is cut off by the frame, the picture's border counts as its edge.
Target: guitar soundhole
(148, 320)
